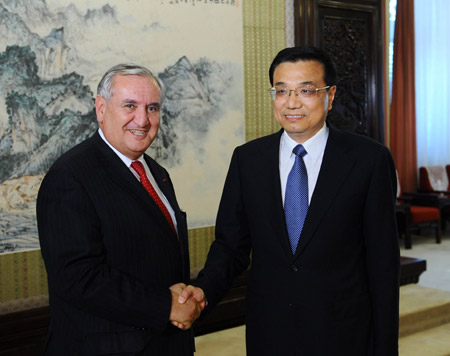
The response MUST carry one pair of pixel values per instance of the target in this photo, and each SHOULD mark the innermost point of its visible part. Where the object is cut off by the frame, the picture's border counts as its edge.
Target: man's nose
(294, 100)
(141, 117)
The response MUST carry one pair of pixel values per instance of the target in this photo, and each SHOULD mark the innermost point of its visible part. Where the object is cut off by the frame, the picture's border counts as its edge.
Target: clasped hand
(187, 304)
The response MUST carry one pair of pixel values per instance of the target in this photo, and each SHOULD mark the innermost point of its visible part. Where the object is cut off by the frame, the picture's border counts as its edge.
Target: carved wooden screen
(350, 31)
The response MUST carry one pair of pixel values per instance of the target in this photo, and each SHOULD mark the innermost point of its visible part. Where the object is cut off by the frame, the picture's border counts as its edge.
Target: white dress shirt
(314, 147)
(149, 174)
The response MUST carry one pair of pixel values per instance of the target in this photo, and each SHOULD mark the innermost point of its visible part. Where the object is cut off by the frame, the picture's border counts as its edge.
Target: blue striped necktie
(296, 197)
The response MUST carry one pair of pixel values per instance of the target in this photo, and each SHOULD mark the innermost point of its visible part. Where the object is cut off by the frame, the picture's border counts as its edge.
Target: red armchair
(412, 217)
(434, 184)
(434, 179)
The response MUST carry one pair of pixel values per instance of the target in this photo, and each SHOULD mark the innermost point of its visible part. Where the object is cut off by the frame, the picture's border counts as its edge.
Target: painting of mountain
(53, 53)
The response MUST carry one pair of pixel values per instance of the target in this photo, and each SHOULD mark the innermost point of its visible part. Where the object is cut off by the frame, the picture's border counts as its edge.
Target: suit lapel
(163, 181)
(271, 164)
(115, 168)
(165, 184)
(334, 170)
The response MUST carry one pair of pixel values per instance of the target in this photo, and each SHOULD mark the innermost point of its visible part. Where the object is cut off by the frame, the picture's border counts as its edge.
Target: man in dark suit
(115, 249)
(327, 283)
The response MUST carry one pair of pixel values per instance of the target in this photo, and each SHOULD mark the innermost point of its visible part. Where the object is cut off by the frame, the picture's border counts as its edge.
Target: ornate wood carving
(345, 42)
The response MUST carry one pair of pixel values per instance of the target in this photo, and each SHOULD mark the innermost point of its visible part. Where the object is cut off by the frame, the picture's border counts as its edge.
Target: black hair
(306, 53)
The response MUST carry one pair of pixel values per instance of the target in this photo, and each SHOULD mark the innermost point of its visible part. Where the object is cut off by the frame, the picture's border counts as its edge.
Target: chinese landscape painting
(52, 55)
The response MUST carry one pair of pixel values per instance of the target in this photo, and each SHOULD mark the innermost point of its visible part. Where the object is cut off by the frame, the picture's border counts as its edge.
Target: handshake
(187, 304)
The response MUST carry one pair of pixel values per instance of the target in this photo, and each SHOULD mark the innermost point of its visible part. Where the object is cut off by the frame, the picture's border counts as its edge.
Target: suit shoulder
(75, 157)
(358, 142)
(363, 149)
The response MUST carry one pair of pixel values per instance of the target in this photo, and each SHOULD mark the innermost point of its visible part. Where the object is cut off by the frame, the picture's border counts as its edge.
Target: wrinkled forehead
(133, 83)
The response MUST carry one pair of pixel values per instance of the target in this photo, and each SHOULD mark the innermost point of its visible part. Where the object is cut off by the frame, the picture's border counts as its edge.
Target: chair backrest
(399, 191)
(433, 178)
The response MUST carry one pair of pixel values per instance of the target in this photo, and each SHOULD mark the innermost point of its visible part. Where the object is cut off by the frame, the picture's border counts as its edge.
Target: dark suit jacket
(338, 295)
(110, 257)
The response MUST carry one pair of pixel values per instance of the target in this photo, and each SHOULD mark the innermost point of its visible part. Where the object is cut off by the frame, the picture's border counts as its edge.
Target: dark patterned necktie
(296, 197)
(139, 168)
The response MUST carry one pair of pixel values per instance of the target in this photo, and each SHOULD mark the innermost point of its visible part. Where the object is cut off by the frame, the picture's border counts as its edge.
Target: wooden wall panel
(350, 31)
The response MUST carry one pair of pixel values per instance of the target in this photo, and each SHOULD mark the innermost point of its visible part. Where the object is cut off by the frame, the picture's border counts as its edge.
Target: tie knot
(138, 167)
(299, 150)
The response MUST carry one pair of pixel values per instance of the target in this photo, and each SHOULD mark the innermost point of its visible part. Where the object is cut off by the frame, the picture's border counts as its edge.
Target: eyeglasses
(304, 91)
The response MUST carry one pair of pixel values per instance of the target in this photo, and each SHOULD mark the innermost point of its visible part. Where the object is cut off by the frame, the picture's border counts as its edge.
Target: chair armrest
(429, 199)
(404, 199)
(420, 196)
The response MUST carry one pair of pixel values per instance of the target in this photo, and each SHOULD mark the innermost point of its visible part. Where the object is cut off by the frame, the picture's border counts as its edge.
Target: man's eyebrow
(129, 101)
(299, 83)
(132, 101)
(157, 104)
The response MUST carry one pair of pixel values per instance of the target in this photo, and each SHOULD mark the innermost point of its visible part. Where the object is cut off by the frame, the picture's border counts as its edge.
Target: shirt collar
(315, 146)
(124, 158)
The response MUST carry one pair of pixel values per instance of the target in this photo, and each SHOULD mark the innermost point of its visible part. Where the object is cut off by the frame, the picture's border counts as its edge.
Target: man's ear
(100, 107)
(331, 94)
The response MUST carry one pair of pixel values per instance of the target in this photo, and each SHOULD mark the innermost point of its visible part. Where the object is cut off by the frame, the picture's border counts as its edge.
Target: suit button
(294, 268)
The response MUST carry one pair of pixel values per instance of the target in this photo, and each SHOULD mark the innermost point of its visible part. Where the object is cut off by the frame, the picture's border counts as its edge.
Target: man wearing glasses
(314, 206)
